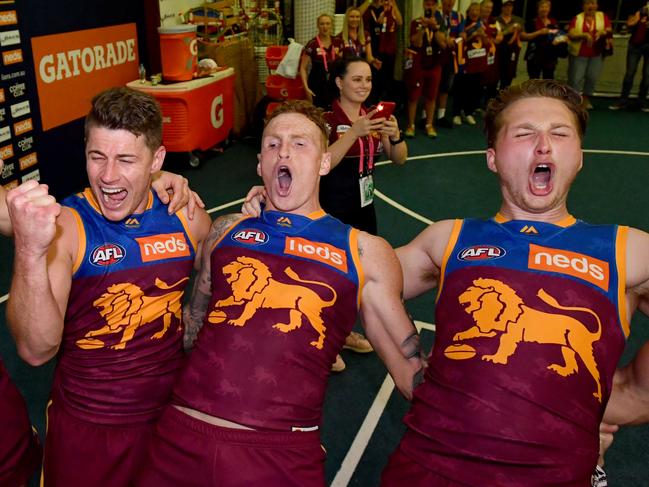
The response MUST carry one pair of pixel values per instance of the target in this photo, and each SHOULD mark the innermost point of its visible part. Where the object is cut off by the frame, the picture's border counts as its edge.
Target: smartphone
(428, 13)
(385, 109)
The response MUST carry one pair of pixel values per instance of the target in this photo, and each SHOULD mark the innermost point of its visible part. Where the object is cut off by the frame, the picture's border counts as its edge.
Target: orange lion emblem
(496, 308)
(253, 286)
(125, 309)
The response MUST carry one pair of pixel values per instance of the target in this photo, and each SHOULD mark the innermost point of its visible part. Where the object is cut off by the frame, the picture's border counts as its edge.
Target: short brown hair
(127, 109)
(303, 108)
(544, 88)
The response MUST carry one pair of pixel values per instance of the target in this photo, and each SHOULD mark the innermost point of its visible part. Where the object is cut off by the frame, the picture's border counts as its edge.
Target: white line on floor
(402, 208)
(358, 446)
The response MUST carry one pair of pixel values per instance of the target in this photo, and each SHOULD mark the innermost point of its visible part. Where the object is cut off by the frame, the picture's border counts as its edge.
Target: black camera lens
(428, 13)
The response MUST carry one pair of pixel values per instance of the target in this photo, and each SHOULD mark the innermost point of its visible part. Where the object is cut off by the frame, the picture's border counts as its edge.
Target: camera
(428, 13)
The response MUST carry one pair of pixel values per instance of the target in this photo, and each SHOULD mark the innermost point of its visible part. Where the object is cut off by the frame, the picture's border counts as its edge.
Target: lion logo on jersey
(125, 309)
(254, 286)
(497, 309)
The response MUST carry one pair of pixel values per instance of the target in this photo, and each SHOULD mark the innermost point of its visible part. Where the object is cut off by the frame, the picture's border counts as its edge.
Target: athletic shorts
(81, 453)
(188, 452)
(426, 84)
(20, 451)
(401, 471)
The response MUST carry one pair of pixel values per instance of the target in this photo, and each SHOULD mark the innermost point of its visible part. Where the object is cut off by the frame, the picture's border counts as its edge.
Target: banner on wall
(72, 67)
(17, 140)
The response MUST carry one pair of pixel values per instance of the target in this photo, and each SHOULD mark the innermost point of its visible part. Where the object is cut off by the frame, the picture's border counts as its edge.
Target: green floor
(611, 188)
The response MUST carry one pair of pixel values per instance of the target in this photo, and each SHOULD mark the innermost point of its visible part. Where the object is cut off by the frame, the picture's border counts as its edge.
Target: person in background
(467, 90)
(450, 22)
(98, 282)
(318, 56)
(383, 19)
(20, 450)
(494, 37)
(356, 140)
(509, 49)
(637, 50)
(356, 41)
(588, 33)
(423, 69)
(543, 42)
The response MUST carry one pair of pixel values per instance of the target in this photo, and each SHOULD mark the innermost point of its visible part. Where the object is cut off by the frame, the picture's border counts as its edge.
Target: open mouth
(113, 197)
(284, 180)
(541, 180)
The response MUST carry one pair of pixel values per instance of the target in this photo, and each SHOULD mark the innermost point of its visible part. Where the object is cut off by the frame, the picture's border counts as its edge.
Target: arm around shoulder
(421, 259)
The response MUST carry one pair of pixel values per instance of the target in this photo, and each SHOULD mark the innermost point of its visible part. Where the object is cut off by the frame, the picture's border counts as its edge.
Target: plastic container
(279, 87)
(274, 55)
(196, 114)
(178, 51)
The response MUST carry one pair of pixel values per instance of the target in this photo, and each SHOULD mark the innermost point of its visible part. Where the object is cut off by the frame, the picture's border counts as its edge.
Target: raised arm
(629, 402)
(387, 325)
(43, 261)
(194, 312)
(422, 258)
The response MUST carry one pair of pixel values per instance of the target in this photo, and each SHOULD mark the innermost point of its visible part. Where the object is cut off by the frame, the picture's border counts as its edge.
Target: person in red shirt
(317, 58)
(383, 19)
(588, 34)
(423, 68)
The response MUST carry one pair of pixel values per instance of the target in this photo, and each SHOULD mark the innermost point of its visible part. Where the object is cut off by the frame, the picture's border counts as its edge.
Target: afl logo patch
(107, 254)
(250, 237)
(481, 252)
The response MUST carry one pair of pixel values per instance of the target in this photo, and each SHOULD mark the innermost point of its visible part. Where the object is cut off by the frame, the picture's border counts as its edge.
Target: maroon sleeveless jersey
(530, 325)
(285, 296)
(122, 339)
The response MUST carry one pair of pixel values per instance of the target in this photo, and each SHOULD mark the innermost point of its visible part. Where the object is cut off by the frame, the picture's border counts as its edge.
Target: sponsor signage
(35, 175)
(8, 170)
(20, 109)
(320, 251)
(72, 67)
(8, 17)
(23, 126)
(12, 57)
(5, 134)
(163, 246)
(27, 161)
(573, 264)
(9, 38)
(11, 185)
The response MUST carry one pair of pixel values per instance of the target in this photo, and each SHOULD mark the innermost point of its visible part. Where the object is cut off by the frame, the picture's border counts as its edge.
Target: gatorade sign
(72, 67)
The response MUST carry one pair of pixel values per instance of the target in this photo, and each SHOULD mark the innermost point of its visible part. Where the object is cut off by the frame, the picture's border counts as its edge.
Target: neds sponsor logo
(320, 251)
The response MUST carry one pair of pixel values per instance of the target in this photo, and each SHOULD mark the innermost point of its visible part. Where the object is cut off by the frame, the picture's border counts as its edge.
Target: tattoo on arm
(194, 312)
(411, 347)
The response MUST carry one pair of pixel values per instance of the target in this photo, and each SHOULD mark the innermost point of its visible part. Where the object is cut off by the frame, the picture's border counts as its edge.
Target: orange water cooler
(197, 114)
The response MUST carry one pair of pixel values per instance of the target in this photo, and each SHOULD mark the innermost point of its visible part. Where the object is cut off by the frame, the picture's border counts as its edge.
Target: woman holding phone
(357, 138)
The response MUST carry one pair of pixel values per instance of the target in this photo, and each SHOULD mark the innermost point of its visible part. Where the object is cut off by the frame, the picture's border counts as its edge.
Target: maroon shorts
(186, 451)
(20, 451)
(402, 470)
(424, 82)
(78, 452)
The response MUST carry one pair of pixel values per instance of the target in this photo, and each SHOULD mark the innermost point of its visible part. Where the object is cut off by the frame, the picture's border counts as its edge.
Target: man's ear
(158, 159)
(325, 164)
(491, 160)
(259, 165)
(581, 160)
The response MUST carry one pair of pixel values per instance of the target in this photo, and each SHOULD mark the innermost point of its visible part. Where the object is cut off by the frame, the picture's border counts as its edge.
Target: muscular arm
(194, 312)
(386, 323)
(421, 259)
(629, 402)
(40, 286)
